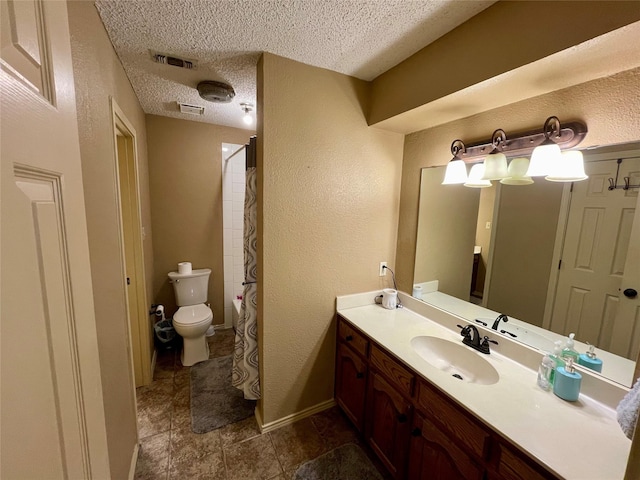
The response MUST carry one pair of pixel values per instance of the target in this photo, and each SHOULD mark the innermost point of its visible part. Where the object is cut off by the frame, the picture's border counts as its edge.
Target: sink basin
(456, 359)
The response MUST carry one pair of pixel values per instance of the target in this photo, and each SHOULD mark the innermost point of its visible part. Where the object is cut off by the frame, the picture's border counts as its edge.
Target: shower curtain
(245, 375)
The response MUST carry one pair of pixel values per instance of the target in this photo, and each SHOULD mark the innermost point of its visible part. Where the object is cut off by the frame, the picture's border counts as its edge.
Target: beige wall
(501, 38)
(328, 203)
(609, 106)
(525, 233)
(98, 76)
(483, 234)
(185, 179)
(445, 247)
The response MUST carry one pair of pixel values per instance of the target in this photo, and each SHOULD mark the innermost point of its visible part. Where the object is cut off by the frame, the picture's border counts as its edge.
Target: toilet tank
(190, 288)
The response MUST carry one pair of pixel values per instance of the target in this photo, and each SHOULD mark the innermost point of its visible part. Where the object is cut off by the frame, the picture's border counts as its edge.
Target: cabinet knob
(359, 375)
(416, 432)
(348, 338)
(402, 418)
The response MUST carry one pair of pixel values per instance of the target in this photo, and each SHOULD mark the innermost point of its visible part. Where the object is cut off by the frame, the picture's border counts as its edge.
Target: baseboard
(134, 461)
(294, 417)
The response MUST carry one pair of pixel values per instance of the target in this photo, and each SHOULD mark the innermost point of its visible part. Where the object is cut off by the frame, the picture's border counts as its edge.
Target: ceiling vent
(218, 92)
(171, 60)
(190, 109)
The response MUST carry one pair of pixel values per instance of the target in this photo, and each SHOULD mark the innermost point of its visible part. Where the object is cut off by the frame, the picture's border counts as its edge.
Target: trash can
(166, 336)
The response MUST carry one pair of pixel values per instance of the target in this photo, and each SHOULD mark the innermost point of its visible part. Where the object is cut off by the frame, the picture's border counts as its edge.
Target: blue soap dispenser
(590, 360)
(566, 384)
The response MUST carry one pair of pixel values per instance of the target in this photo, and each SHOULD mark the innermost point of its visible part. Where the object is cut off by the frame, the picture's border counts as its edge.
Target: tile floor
(170, 450)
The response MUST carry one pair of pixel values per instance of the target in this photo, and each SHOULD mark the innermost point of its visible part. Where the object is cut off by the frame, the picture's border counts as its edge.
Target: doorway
(131, 235)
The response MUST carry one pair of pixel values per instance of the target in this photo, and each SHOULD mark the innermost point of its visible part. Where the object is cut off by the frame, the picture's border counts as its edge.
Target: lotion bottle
(590, 360)
(567, 382)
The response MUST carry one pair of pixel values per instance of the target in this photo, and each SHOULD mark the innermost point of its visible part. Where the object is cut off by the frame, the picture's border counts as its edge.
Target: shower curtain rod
(235, 153)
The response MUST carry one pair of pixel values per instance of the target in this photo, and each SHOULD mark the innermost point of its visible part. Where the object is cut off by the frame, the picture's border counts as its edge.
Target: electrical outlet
(383, 270)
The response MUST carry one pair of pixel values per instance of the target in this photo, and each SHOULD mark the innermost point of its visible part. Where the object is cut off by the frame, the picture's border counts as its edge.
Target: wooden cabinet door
(387, 427)
(351, 377)
(433, 456)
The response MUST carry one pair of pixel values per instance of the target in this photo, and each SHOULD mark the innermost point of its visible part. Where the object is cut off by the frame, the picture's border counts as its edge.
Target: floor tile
(210, 467)
(181, 416)
(334, 428)
(164, 365)
(153, 458)
(154, 408)
(254, 459)
(186, 446)
(239, 431)
(221, 344)
(297, 443)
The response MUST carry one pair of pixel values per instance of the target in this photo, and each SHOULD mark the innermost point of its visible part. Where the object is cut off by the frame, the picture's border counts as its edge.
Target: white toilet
(193, 318)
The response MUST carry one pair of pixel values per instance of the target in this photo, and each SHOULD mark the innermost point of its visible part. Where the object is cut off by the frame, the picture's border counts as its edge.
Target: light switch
(488, 226)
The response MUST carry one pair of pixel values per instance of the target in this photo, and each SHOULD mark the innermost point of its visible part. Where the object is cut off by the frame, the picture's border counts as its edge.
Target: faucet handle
(486, 340)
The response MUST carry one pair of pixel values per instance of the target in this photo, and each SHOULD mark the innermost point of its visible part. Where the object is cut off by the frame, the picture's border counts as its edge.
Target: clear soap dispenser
(590, 360)
(568, 351)
(545, 372)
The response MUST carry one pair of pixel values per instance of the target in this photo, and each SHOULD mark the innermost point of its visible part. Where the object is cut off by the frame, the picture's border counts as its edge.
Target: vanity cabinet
(417, 431)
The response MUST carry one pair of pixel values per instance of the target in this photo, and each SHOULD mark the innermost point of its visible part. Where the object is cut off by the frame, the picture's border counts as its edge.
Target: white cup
(389, 298)
(417, 291)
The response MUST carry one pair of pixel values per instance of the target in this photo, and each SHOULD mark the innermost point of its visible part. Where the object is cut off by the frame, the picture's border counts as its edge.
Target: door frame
(141, 348)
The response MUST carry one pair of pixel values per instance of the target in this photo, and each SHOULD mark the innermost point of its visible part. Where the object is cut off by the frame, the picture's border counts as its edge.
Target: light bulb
(247, 119)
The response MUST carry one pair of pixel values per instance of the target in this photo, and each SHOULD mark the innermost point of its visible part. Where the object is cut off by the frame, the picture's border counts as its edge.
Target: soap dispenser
(567, 382)
(568, 351)
(590, 360)
(557, 359)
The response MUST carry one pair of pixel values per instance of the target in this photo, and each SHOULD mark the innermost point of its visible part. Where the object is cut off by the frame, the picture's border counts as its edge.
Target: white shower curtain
(245, 357)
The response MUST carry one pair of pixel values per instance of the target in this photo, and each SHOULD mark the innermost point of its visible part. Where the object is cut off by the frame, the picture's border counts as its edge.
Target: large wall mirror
(555, 257)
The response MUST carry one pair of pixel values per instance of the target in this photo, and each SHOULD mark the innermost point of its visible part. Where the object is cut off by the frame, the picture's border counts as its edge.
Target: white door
(51, 402)
(597, 261)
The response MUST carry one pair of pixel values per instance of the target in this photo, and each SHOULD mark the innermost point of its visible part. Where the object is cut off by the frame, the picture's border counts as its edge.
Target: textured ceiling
(362, 38)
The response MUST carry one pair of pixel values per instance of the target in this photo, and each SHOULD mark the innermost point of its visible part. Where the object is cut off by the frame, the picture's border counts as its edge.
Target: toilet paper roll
(417, 291)
(184, 268)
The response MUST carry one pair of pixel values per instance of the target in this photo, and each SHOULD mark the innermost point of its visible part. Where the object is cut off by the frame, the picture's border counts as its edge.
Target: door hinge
(559, 264)
(128, 281)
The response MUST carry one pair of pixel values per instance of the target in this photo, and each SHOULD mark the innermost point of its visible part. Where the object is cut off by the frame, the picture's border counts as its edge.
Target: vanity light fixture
(543, 146)
(247, 108)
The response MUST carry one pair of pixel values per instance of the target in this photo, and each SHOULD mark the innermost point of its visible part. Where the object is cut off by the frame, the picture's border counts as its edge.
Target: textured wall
(609, 106)
(510, 35)
(185, 180)
(328, 203)
(99, 75)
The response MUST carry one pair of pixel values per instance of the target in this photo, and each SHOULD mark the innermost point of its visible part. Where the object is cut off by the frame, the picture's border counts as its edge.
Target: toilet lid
(193, 314)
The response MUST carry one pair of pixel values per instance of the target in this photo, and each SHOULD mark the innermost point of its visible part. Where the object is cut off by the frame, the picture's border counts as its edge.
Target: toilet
(193, 318)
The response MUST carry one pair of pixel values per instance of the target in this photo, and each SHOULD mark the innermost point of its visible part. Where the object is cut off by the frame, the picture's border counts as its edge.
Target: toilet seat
(193, 315)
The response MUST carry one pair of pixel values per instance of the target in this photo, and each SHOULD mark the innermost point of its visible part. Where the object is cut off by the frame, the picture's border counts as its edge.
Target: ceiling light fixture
(247, 108)
(543, 146)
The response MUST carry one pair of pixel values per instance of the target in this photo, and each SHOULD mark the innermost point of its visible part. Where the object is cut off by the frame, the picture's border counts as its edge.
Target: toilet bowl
(194, 317)
(191, 323)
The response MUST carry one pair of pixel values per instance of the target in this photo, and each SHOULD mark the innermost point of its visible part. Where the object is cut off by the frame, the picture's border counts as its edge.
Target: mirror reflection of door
(599, 260)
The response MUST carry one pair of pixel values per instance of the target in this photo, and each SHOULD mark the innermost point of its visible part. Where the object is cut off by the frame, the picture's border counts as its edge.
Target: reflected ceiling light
(476, 179)
(517, 172)
(570, 168)
(495, 164)
(247, 108)
(544, 146)
(456, 172)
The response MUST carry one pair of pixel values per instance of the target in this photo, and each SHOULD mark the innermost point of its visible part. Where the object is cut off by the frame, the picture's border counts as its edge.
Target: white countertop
(577, 440)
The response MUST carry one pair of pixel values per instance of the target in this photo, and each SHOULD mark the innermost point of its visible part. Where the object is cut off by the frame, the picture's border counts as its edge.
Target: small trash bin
(166, 336)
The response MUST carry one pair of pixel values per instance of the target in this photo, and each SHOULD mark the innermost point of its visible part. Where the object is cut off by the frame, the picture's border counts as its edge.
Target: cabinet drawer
(399, 376)
(452, 420)
(512, 465)
(350, 336)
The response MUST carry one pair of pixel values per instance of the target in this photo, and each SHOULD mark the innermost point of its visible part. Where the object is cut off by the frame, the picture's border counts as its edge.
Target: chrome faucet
(472, 339)
(502, 316)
